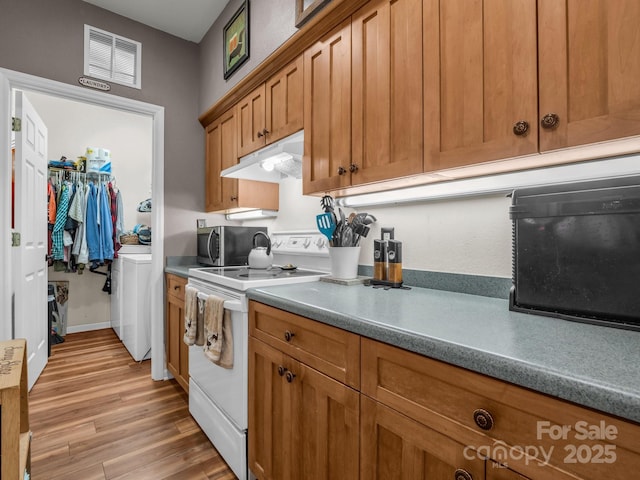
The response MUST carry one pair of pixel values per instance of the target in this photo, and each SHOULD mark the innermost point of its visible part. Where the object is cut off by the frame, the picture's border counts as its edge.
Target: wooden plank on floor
(96, 414)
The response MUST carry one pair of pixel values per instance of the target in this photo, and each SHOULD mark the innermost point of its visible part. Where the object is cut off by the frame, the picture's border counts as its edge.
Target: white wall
(72, 127)
(271, 23)
(470, 236)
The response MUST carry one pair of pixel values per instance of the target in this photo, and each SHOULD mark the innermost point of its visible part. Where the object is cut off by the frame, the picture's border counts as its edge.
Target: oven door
(218, 396)
(226, 388)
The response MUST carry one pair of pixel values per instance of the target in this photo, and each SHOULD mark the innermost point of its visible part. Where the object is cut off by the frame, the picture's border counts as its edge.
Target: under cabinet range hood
(272, 163)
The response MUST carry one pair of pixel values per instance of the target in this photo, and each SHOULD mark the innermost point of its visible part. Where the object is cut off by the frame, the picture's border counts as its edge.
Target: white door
(30, 265)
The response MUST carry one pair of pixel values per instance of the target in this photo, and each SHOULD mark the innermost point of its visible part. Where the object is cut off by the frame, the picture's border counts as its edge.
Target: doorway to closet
(73, 127)
(10, 80)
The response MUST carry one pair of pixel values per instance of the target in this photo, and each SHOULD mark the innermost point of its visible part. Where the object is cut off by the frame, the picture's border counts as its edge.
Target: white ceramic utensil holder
(344, 262)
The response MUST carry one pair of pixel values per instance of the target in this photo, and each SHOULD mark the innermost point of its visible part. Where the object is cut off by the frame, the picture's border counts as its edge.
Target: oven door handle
(232, 305)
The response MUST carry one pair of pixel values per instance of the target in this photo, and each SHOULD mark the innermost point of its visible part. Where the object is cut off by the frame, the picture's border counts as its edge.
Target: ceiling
(188, 19)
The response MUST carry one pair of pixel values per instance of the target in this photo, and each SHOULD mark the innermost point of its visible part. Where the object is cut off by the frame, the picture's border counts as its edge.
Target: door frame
(10, 80)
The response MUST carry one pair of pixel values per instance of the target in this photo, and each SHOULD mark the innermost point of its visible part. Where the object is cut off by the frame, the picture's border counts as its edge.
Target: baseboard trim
(88, 327)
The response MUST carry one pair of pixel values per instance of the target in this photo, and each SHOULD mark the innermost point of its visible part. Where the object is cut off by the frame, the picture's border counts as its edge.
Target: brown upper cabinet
(221, 153)
(230, 194)
(251, 122)
(479, 81)
(406, 87)
(589, 69)
(327, 112)
(386, 69)
(505, 78)
(363, 99)
(272, 111)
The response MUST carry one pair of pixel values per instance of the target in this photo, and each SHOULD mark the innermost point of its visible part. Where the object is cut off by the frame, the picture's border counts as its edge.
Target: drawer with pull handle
(175, 286)
(487, 413)
(328, 349)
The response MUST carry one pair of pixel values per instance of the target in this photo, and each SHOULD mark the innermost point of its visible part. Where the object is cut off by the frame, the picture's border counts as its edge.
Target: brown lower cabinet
(410, 417)
(176, 350)
(302, 424)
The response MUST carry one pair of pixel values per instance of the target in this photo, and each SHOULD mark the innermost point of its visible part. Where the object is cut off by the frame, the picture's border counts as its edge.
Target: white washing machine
(136, 304)
(116, 284)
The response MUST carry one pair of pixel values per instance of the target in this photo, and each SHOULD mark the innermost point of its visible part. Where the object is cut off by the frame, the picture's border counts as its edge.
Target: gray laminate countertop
(180, 270)
(594, 366)
(180, 265)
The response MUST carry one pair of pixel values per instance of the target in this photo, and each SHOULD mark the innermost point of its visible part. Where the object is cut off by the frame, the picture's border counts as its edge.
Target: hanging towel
(190, 315)
(218, 332)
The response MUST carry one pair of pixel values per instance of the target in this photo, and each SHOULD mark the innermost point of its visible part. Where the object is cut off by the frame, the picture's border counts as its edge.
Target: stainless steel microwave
(226, 245)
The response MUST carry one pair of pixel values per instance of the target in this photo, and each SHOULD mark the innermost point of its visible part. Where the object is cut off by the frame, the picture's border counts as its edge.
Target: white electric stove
(299, 256)
(218, 397)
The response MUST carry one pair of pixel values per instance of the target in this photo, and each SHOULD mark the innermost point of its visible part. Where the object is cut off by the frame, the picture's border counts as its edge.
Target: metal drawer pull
(288, 335)
(483, 419)
(290, 376)
(281, 370)
(461, 474)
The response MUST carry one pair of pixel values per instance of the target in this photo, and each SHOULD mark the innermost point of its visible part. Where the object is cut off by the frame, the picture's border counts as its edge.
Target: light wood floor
(96, 414)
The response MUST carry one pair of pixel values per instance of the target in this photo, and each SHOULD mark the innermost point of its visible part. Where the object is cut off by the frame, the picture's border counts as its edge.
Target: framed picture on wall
(235, 40)
(305, 9)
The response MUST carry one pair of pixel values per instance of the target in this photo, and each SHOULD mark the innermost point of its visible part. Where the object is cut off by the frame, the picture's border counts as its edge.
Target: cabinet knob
(521, 128)
(281, 370)
(234, 198)
(290, 376)
(353, 168)
(483, 419)
(177, 287)
(341, 171)
(263, 133)
(462, 474)
(288, 335)
(550, 121)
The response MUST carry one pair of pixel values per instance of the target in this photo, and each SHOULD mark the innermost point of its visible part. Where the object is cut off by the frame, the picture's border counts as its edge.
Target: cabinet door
(394, 447)
(177, 350)
(251, 121)
(327, 112)
(302, 424)
(221, 153)
(284, 102)
(479, 81)
(387, 126)
(271, 451)
(327, 427)
(589, 70)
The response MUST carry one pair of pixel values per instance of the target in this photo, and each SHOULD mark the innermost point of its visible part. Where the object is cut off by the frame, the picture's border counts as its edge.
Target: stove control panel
(299, 243)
